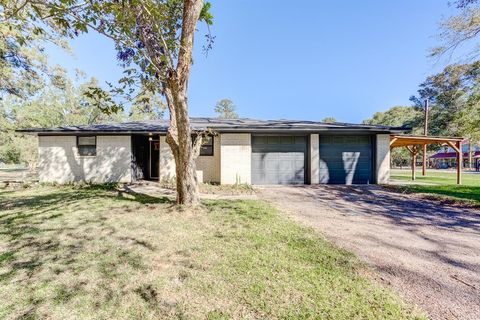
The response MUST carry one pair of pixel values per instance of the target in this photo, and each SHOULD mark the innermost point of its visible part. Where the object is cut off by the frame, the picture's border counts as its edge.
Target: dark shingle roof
(220, 125)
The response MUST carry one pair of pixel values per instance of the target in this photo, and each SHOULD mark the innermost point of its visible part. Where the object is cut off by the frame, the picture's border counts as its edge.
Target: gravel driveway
(428, 252)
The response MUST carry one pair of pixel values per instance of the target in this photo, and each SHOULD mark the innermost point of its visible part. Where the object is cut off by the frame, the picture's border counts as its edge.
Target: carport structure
(414, 143)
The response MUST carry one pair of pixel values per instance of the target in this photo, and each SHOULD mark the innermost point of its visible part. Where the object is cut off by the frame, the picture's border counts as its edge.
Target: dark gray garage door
(278, 159)
(346, 159)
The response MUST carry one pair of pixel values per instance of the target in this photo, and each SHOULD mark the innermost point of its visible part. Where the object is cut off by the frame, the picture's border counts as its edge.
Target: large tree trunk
(184, 151)
(174, 86)
(179, 135)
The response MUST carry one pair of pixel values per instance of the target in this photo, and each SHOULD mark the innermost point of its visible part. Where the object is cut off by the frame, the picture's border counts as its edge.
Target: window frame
(212, 153)
(87, 145)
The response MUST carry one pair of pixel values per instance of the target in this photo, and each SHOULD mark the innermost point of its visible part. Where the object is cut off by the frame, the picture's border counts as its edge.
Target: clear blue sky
(300, 59)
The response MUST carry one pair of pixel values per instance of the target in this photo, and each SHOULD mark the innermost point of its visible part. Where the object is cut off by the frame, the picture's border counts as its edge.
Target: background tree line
(453, 93)
(454, 97)
(65, 103)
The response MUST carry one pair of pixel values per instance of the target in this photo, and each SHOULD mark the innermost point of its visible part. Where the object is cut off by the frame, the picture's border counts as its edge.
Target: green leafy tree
(329, 120)
(458, 111)
(225, 109)
(50, 107)
(154, 41)
(24, 67)
(453, 94)
(450, 92)
(467, 120)
(457, 30)
(147, 106)
(399, 116)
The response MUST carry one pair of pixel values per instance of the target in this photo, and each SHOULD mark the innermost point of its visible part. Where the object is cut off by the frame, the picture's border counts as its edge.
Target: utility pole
(425, 133)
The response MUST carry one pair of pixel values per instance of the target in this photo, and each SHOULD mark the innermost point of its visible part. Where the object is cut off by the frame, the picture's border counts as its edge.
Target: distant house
(446, 157)
(240, 151)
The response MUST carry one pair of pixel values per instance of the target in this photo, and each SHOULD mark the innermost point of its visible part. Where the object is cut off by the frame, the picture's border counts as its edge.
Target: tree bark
(184, 151)
(174, 86)
(179, 135)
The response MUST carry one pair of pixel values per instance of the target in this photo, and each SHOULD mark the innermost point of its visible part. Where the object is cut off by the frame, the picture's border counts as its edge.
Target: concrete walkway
(429, 253)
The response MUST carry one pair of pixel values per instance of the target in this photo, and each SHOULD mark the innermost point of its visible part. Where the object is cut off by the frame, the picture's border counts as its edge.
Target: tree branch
(191, 13)
(160, 33)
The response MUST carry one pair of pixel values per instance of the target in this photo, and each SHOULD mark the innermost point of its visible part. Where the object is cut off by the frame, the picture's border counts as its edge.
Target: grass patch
(450, 193)
(69, 252)
(440, 184)
(436, 177)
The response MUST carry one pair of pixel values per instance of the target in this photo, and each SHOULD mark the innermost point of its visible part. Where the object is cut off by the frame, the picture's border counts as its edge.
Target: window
(87, 145)
(207, 146)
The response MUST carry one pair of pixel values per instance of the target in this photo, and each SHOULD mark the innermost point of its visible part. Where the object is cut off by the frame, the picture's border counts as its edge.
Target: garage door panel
(288, 179)
(346, 159)
(342, 178)
(271, 178)
(287, 140)
(286, 165)
(301, 140)
(339, 158)
(339, 161)
(345, 140)
(257, 163)
(278, 159)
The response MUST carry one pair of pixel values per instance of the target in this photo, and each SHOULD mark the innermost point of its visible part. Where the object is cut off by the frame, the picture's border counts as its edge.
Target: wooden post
(425, 133)
(458, 149)
(424, 160)
(413, 150)
(470, 155)
(459, 162)
(414, 164)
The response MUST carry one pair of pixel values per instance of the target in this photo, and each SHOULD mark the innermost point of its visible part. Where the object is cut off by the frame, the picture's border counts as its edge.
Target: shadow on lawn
(15, 223)
(45, 234)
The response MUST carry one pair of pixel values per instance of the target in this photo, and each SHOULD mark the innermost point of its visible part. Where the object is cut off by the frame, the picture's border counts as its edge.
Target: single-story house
(240, 151)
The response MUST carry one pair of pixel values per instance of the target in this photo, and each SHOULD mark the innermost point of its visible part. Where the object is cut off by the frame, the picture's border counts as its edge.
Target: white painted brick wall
(58, 160)
(208, 167)
(383, 158)
(236, 158)
(167, 162)
(314, 159)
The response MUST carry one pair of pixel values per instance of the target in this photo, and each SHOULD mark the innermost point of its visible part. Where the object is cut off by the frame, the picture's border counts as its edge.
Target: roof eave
(220, 130)
(76, 132)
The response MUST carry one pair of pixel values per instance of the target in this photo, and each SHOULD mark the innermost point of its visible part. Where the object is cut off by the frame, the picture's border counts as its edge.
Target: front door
(154, 159)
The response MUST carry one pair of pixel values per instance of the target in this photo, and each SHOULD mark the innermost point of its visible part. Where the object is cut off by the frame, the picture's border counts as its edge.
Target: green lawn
(441, 183)
(94, 253)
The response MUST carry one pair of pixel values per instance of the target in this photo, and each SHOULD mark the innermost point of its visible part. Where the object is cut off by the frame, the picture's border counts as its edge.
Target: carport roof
(412, 140)
(216, 124)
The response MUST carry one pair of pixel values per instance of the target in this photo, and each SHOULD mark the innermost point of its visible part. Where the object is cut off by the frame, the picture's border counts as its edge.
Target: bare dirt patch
(207, 191)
